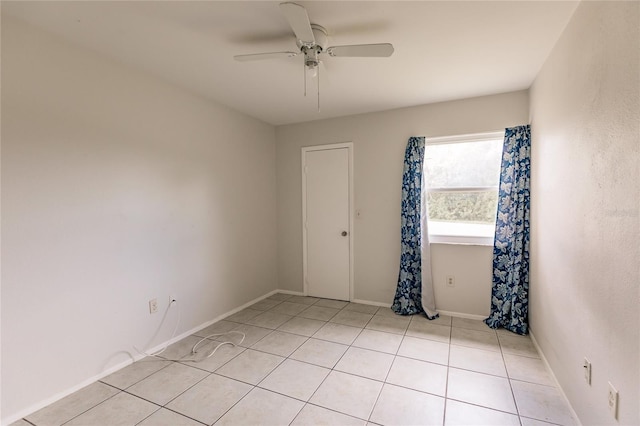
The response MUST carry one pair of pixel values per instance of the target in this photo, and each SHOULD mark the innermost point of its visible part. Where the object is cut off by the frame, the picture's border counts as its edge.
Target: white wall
(118, 188)
(379, 142)
(585, 209)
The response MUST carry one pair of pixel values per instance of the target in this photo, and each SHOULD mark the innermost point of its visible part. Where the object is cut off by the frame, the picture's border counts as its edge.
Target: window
(461, 175)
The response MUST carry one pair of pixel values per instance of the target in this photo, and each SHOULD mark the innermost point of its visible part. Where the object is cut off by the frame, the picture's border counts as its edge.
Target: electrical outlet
(153, 306)
(587, 371)
(613, 401)
(451, 281)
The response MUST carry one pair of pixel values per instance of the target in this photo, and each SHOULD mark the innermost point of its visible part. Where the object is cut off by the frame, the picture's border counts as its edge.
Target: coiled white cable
(194, 350)
(175, 330)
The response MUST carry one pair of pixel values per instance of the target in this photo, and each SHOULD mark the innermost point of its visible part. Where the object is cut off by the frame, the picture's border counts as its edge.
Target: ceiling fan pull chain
(318, 70)
(304, 71)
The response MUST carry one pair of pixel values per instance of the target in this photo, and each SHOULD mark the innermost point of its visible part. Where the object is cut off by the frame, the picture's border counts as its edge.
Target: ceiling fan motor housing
(312, 50)
(320, 35)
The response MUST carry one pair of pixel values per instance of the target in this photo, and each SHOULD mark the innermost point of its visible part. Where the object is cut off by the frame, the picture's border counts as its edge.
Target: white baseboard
(450, 313)
(553, 376)
(462, 315)
(369, 302)
(238, 309)
(35, 407)
(363, 302)
(58, 396)
(293, 293)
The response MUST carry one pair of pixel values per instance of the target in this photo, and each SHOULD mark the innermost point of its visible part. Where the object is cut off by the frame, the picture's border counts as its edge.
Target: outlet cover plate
(153, 306)
(587, 371)
(613, 401)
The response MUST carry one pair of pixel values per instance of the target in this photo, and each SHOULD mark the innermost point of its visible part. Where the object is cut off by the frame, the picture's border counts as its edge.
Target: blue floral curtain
(510, 293)
(414, 293)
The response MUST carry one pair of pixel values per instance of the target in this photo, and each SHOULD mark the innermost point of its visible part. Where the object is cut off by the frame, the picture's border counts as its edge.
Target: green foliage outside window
(470, 207)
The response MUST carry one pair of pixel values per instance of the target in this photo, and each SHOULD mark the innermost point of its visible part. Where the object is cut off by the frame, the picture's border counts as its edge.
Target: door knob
(344, 233)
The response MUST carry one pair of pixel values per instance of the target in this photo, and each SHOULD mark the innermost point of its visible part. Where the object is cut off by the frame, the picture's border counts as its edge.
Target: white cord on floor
(175, 330)
(194, 350)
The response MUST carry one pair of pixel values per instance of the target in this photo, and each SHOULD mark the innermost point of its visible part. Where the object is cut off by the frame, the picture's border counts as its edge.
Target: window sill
(461, 240)
(477, 234)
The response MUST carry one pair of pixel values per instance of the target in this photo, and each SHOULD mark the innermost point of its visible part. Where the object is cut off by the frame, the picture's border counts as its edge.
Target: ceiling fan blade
(298, 19)
(381, 50)
(258, 37)
(262, 56)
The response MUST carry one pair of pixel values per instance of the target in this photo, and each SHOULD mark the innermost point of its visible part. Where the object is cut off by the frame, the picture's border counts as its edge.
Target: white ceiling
(444, 50)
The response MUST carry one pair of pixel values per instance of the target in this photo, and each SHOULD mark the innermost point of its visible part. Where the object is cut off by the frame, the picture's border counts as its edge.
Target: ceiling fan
(312, 41)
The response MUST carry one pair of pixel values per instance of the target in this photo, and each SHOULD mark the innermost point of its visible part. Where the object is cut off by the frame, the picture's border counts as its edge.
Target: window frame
(456, 139)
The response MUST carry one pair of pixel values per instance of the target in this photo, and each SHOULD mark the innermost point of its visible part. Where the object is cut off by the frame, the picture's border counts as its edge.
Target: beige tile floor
(308, 361)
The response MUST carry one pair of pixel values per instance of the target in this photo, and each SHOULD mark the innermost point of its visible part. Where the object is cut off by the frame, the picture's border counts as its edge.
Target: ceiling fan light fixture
(311, 58)
(313, 70)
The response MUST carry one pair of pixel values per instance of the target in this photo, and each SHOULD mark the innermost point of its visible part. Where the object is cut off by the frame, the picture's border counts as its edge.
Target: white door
(326, 221)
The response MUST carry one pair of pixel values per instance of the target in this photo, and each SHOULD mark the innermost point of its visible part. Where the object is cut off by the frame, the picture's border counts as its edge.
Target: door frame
(305, 149)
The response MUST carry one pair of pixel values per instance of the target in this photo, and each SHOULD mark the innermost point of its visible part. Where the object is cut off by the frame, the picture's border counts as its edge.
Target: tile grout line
(160, 408)
(170, 362)
(323, 380)
(307, 338)
(199, 381)
(513, 395)
(362, 329)
(271, 371)
(138, 381)
(337, 362)
(233, 405)
(94, 406)
(350, 346)
(446, 385)
(395, 356)
(475, 404)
